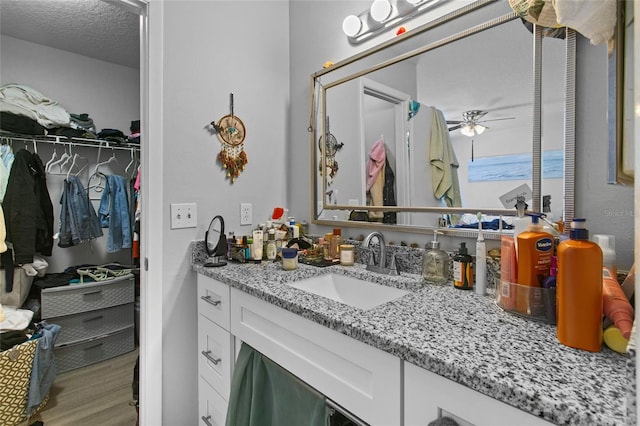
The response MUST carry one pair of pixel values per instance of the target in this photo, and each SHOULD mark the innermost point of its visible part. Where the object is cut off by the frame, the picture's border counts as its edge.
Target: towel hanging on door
(265, 394)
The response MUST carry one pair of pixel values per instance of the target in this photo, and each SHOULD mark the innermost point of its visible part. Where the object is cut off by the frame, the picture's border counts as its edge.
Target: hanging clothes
(444, 164)
(114, 213)
(389, 194)
(375, 178)
(78, 219)
(28, 211)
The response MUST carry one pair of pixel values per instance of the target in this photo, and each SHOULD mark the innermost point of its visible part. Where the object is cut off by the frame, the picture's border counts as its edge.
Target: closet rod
(63, 140)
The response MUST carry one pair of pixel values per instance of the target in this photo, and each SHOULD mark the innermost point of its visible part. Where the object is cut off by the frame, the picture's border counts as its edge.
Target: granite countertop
(459, 335)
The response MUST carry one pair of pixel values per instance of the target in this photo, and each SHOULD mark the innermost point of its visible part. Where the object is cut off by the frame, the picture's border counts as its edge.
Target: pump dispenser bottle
(535, 248)
(521, 221)
(435, 263)
(579, 290)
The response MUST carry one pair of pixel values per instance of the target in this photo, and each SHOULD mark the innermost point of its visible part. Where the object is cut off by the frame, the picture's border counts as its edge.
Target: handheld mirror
(215, 242)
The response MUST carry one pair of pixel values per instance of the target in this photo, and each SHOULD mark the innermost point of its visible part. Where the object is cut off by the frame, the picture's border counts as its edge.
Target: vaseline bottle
(535, 248)
(579, 290)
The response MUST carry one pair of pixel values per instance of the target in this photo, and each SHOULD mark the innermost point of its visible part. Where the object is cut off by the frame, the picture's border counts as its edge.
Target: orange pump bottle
(535, 248)
(579, 290)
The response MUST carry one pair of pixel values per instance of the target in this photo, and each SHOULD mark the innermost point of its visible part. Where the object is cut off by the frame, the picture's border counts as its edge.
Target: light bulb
(467, 130)
(479, 128)
(351, 25)
(380, 10)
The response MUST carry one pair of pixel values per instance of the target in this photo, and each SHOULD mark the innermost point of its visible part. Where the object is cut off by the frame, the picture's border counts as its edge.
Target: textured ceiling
(91, 28)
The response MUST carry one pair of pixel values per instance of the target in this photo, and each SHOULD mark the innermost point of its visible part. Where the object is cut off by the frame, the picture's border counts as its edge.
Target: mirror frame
(319, 90)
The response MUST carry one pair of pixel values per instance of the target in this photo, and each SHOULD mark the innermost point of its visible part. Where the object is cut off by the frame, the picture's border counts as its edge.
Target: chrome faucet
(382, 258)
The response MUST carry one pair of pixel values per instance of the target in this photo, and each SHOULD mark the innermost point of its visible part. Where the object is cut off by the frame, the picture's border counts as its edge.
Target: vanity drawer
(213, 300)
(74, 328)
(73, 299)
(212, 408)
(215, 355)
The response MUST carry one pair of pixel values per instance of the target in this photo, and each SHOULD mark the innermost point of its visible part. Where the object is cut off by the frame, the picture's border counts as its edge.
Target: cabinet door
(215, 355)
(212, 408)
(364, 380)
(428, 396)
(213, 300)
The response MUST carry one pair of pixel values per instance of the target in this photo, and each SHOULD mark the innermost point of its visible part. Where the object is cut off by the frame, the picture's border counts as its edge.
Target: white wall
(209, 51)
(107, 92)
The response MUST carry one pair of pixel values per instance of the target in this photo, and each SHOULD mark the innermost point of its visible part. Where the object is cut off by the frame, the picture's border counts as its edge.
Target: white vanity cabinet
(215, 351)
(428, 396)
(362, 379)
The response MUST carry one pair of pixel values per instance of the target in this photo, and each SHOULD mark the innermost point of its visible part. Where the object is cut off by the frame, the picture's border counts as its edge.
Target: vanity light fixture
(383, 14)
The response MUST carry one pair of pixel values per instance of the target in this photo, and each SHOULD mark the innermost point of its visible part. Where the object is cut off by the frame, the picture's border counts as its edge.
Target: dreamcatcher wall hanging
(231, 133)
(331, 147)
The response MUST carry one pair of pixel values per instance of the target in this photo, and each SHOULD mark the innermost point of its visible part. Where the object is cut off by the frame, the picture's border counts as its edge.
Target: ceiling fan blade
(496, 119)
(455, 121)
(456, 127)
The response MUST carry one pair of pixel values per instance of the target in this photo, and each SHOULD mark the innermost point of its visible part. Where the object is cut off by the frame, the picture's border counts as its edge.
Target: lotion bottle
(521, 222)
(579, 290)
(535, 248)
(435, 262)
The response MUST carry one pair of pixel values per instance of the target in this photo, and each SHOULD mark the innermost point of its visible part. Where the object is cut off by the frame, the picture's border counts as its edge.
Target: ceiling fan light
(467, 130)
(479, 128)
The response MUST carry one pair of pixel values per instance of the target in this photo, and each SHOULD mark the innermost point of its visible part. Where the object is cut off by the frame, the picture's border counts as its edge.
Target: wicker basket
(15, 376)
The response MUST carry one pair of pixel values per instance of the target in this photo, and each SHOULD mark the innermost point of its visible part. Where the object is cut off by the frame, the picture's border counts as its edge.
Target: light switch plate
(184, 215)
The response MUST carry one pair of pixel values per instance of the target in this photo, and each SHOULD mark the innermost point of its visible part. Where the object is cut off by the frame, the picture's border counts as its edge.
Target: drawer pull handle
(208, 300)
(93, 347)
(206, 420)
(99, 317)
(208, 356)
(92, 292)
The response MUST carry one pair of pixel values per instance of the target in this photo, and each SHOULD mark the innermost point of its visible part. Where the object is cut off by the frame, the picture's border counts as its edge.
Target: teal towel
(265, 394)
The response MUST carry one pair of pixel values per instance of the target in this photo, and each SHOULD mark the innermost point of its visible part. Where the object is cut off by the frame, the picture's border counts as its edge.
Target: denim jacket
(78, 219)
(114, 213)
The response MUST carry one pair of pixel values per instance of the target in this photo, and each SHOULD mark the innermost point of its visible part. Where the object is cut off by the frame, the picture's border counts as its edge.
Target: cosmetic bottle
(272, 249)
(336, 242)
(463, 269)
(579, 290)
(535, 248)
(607, 244)
(435, 262)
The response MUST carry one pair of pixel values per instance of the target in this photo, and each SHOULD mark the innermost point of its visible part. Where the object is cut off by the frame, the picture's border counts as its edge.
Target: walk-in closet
(82, 58)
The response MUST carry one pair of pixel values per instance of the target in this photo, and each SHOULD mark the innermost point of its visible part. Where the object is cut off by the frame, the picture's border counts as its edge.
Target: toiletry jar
(536, 303)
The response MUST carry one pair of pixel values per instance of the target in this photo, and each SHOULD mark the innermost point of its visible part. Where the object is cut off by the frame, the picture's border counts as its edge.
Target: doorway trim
(151, 199)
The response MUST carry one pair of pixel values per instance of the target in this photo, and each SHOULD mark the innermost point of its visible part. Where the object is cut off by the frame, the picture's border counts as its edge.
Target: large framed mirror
(478, 84)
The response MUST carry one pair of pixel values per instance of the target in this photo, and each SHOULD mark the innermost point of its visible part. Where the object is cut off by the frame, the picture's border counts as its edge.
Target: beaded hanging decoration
(231, 133)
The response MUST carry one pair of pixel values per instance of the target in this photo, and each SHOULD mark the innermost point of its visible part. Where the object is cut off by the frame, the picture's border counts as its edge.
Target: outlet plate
(184, 215)
(246, 213)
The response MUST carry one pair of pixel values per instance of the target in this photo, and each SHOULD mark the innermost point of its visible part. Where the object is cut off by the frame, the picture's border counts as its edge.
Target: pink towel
(377, 157)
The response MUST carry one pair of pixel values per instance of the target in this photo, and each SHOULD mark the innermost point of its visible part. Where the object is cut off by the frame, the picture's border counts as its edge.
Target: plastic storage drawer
(89, 352)
(86, 325)
(73, 299)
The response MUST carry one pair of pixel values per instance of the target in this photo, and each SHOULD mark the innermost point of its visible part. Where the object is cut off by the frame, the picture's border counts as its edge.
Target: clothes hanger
(112, 160)
(54, 157)
(77, 159)
(132, 167)
(59, 162)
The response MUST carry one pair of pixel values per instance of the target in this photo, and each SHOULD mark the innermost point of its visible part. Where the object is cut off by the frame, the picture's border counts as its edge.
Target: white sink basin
(350, 291)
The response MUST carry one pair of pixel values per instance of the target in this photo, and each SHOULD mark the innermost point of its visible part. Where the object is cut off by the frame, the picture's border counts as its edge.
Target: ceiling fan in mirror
(472, 124)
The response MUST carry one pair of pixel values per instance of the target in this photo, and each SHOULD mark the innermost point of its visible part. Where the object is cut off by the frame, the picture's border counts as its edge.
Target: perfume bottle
(435, 263)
